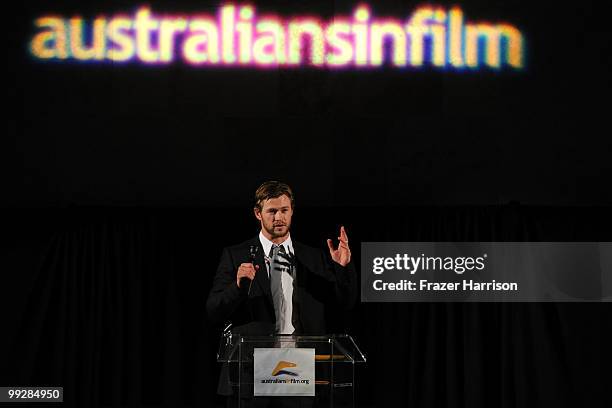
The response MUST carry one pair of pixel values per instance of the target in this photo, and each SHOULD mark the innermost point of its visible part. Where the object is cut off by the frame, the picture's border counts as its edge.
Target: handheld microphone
(253, 255)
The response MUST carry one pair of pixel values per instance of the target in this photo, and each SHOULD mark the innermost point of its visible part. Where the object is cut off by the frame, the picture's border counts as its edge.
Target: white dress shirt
(286, 279)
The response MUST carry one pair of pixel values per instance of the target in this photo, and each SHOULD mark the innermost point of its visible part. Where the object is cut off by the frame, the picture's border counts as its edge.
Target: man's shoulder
(301, 249)
(304, 249)
(301, 245)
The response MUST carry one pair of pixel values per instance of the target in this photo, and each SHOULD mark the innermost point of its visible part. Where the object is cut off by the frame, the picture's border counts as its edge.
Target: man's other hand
(246, 270)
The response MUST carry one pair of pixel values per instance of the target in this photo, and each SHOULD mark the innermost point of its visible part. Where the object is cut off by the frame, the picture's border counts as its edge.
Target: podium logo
(287, 376)
(280, 368)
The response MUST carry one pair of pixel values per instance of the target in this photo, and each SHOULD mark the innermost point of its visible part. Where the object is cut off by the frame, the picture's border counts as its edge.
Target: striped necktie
(276, 284)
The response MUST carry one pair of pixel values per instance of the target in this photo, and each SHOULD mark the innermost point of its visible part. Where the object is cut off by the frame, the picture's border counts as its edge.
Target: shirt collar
(267, 244)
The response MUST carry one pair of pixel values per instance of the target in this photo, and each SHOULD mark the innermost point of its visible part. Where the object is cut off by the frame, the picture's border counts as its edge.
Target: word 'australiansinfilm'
(236, 36)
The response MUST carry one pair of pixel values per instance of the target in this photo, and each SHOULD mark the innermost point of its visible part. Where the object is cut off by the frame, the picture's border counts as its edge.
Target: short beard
(273, 234)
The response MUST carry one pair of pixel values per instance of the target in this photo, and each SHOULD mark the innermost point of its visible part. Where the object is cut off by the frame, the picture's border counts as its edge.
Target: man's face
(275, 216)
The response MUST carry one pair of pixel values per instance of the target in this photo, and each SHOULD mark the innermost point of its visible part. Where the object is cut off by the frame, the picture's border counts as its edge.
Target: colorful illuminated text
(237, 36)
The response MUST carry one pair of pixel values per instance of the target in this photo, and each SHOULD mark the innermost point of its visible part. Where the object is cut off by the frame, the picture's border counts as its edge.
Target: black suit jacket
(319, 284)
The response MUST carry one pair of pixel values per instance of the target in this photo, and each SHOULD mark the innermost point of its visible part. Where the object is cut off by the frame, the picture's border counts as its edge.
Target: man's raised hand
(342, 254)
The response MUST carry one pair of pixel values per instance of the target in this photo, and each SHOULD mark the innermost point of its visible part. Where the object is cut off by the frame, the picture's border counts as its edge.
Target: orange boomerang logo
(279, 369)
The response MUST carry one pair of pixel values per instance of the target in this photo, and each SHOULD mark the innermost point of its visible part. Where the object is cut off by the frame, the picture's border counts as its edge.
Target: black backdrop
(123, 182)
(176, 135)
(113, 303)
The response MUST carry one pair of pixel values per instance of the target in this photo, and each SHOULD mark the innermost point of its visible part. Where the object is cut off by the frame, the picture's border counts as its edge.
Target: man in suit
(244, 293)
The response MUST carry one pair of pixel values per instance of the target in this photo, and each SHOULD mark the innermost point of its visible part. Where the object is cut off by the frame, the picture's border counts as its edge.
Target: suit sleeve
(225, 296)
(345, 283)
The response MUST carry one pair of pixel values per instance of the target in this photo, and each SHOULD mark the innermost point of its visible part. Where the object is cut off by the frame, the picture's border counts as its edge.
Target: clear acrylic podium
(335, 360)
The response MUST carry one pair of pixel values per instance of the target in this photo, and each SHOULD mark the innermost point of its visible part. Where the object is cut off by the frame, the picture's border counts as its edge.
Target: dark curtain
(102, 317)
(115, 312)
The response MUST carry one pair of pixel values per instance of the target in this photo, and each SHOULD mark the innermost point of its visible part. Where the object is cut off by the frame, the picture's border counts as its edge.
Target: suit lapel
(303, 265)
(261, 277)
(303, 261)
